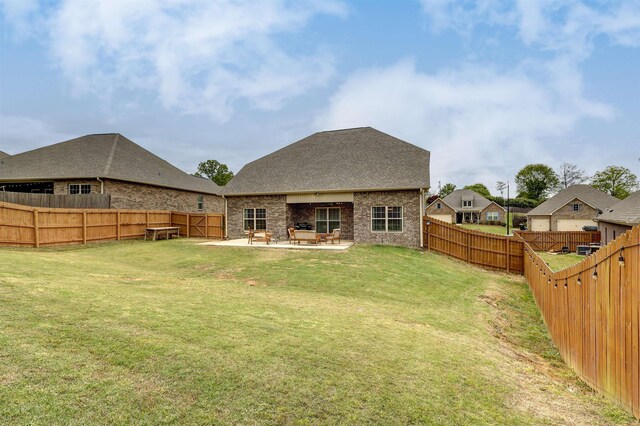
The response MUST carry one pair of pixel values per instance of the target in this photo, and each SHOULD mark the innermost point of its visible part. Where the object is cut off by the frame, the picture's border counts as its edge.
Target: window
(76, 188)
(327, 219)
(438, 206)
(467, 203)
(200, 202)
(255, 219)
(576, 207)
(386, 219)
(493, 216)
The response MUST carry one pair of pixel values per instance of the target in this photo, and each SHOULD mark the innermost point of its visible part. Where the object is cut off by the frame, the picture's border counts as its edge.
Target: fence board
(28, 226)
(547, 241)
(77, 201)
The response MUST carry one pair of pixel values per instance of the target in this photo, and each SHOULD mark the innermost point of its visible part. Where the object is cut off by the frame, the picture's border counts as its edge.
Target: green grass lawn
(492, 229)
(172, 332)
(560, 261)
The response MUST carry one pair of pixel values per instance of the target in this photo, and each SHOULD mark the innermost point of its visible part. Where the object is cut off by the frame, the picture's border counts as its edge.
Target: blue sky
(486, 86)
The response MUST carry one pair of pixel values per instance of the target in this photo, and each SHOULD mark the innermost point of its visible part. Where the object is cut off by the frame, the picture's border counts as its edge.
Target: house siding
(409, 200)
(493, 208)
(566, 212)
(275, 205)
(607, 231)
(431, 210)
(129, 195)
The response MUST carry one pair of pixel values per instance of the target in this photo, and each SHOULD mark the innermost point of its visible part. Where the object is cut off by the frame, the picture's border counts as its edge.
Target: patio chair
(335, 235)
(292, 235)
(260, 236)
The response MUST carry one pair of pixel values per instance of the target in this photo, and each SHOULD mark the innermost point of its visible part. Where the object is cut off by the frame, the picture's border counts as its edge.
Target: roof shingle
(454, 200)
(625, 212)
(109, 155)
(3, 154)
(588, 194)
(340, 160)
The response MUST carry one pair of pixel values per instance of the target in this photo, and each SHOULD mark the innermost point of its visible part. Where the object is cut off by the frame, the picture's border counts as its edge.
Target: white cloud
(479, 124)
(198, 57)
(19, 134)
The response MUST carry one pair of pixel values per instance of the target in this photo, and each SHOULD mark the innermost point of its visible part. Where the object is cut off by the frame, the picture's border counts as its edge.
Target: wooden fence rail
(546, 241)
(28, 226)
(592, 312)
(79, 201)
(480, 248)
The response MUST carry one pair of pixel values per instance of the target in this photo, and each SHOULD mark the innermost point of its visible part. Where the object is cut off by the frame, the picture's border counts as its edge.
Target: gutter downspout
(101, 185)
(421, 217)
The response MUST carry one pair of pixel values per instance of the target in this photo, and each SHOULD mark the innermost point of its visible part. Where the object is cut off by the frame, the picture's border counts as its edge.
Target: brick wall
(566, 212)
(611, 231)
(493, 208)
(128, 195)
(409, 200)
(276, 206)
(445, 209)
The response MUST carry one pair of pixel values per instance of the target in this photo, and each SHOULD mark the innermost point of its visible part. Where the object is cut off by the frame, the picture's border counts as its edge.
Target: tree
(616, 181)
(447, 189)
(480, 189)
(536, 181)
(217, 172)
(570, 174)
(501, 186)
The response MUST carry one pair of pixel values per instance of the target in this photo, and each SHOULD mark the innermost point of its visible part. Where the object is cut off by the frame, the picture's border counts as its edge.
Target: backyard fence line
(492, 251)
(35, 227)
(546, 241)
(592, 312)
(77, 201)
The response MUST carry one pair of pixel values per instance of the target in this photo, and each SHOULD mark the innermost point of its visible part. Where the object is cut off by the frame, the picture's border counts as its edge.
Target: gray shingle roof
(4, 154)
(339, 160)
(454, 200)
(588, 194)
(625, 212)
(110, 155)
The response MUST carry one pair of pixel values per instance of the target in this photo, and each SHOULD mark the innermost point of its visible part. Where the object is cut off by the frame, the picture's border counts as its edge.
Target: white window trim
(574, 205)
(470, 206)
(327, 221)
(200, 204)
(79, 185)
(386, 220)
(497, 215)
(254, 218)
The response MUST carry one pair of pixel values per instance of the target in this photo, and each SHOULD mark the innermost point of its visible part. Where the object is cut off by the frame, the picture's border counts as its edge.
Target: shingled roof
(454, 200)
(360, 159)
(595, 198)
(109, 155)
(625, 212)
(3, 154)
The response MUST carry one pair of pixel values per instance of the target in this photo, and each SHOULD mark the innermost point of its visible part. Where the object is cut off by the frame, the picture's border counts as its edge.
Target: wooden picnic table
(166, 231)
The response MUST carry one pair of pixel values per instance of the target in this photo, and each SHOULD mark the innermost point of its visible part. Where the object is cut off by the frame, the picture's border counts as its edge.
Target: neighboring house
(570, 209)
(619, 218)
(111, 164)
(466, 206)
(4, 154)
(367, 183)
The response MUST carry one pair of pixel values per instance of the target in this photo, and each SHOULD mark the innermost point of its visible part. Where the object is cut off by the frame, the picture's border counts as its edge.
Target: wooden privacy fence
(480, 248)
(27, 226)
(546, 241)
(79, 201)
(592, 312)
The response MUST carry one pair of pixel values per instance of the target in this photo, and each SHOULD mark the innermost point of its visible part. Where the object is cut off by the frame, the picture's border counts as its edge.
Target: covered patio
(244, 242)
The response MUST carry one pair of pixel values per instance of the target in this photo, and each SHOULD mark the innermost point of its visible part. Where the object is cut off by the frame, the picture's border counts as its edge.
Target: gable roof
(625, 212)
(3, 154)
(587, 194)
(360, 159)
(454, 200)
(109, 155)
(441, 201)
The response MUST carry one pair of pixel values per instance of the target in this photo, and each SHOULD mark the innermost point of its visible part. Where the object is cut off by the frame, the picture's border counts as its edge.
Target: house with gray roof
(466, 206)
(109, 164)
(570, 209)
(365, 182)
(619, 218)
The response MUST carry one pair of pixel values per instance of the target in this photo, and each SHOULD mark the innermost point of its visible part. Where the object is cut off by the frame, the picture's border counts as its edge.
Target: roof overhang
(321, 191)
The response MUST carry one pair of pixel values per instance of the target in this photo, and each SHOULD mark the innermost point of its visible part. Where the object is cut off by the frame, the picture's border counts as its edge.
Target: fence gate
(198, 225)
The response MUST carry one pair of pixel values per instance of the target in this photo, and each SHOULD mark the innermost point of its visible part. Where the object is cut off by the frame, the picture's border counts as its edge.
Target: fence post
(508, 241)
(118, 225)
(84, 227)
(147, 218)
(188, 225)
(206, 225)
(171, 218)
(36, 229)
(468, 247)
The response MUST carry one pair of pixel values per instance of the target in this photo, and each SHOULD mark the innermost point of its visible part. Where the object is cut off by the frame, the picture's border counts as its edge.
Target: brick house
(369, 184)
(619, 218)
(570, 209)
(109, 164)
(466, 206)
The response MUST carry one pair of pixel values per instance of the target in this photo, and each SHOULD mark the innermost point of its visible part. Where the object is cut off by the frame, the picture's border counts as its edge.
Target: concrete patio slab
(280, 245)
